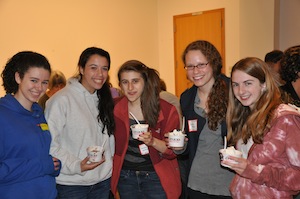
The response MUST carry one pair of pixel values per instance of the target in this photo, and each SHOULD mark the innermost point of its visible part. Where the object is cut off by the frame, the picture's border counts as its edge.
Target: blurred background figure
(290, 71)
(273, 59)
(169, 97)
(56, 82)
(115, 92)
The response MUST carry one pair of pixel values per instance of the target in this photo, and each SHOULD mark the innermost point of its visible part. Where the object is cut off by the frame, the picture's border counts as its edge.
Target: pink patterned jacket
(274, 169)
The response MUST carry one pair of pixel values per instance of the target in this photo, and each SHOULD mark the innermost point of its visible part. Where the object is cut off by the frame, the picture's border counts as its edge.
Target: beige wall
(131, 29)
(61, 30)
(289, 24)
(256, 27)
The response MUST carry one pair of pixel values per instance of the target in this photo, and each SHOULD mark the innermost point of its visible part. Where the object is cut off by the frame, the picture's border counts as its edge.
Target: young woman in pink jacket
(266, 131)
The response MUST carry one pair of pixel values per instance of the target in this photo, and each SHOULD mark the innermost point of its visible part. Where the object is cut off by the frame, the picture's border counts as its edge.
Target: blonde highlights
(244, 123)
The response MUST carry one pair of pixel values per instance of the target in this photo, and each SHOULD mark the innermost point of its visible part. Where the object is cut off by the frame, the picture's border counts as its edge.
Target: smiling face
(31, 86)
(132, 84)
(94, 73)
(200, 77)
(246, 88)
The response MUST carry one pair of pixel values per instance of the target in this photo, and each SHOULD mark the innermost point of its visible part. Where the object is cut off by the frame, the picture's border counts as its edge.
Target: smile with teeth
(35, 93)
(198, 77)
(98, 81)
(244, 97)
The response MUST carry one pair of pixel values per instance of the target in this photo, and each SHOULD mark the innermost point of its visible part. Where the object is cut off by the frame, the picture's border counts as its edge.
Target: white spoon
(134, 117)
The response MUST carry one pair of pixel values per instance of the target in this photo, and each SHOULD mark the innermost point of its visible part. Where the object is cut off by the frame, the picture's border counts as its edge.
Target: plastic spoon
(183, 123)
(225, 142)
(134, 117)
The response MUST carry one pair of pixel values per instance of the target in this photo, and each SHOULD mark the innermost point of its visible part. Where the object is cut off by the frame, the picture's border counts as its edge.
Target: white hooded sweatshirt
(71, 114)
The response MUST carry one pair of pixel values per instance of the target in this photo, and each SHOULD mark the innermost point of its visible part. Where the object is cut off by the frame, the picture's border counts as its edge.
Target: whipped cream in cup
(95, 153)
(229, 151)
(138, 129)
(176, 138)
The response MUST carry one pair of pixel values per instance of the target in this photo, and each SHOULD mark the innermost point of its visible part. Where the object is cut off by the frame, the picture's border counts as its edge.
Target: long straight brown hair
(243, 122)
(150, 96)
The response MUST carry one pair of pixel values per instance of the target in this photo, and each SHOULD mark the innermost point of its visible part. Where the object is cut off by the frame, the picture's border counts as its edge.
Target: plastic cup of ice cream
(229, 151)
(176, 138)
(138, 129)
(95, 153)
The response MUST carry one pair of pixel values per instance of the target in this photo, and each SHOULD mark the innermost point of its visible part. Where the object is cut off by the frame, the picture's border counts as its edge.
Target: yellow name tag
(44, 126)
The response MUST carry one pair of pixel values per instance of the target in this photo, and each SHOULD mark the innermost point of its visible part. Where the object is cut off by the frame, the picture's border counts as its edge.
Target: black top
(134, 160)
(289, 89)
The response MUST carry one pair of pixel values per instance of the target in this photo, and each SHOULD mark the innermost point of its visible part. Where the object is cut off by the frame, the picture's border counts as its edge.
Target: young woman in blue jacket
(26, 168)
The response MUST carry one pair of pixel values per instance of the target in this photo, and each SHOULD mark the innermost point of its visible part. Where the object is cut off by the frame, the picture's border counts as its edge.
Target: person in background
(204, 107)
(56, 82)
(265, 131)
(290, 73)
(27, 170)
(79, 116)
(169, 97)
(144, 167)
(273, 59)
(182, 160)
(115, 92)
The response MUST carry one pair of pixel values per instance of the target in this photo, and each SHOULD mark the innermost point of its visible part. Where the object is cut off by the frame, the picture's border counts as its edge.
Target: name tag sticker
(143, 149)
(192, 125)
(44, 126)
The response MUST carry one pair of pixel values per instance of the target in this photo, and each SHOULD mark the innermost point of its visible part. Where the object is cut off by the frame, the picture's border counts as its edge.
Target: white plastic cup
(225, 156)
(176, 140)
(95, 153)
(138, 129)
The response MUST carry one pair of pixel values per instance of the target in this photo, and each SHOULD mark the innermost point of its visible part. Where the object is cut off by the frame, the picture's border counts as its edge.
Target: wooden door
(207, 25)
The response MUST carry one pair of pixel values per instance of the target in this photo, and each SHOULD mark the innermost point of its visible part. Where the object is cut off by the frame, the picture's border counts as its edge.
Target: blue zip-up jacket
(26, 168)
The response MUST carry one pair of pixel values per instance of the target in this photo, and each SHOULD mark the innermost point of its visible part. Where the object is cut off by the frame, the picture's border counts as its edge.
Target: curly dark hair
(21, 63)
(218, 97)
(290, 64)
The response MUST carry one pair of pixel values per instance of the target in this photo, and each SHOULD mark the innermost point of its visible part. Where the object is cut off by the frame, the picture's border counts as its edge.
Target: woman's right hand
(174, 148)
(56, 163)
(87, 165)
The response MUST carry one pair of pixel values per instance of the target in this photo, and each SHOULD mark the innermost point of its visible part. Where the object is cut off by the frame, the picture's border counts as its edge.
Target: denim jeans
(140, 185)
(96, 191)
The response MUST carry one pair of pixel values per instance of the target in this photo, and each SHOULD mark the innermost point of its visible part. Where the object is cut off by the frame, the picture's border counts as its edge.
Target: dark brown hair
(150, 96)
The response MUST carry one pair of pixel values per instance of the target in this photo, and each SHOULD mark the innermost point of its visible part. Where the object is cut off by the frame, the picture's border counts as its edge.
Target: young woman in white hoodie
(81, 115)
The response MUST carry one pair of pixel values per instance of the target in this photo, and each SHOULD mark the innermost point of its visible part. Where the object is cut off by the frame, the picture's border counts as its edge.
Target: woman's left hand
(239, 165)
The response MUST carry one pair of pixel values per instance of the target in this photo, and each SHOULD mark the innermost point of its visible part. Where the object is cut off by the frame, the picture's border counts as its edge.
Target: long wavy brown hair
(242, 122)
(218, 97)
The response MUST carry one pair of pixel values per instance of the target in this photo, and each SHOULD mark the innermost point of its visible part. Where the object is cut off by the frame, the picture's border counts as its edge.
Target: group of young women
(247, 109)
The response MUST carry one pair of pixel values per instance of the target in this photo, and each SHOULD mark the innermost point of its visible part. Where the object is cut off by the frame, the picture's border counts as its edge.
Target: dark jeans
(140, 185)
(96, 191)
(199, 195)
